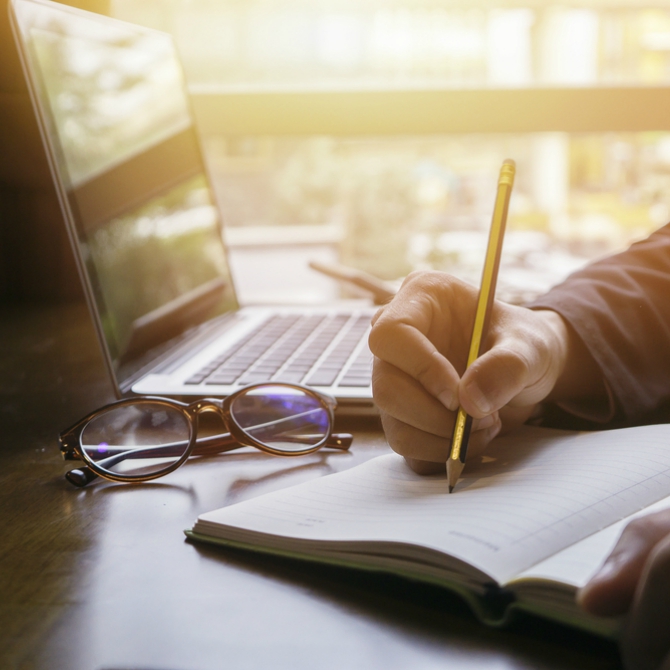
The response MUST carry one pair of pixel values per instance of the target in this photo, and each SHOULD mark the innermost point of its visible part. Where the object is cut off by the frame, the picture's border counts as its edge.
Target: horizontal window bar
(393, 112)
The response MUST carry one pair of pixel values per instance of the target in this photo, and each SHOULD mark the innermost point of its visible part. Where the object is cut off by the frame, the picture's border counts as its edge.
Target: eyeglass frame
(70, 445)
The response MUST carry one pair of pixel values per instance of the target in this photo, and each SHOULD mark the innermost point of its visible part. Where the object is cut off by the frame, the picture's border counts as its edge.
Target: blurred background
(389, 204)
(371, 133)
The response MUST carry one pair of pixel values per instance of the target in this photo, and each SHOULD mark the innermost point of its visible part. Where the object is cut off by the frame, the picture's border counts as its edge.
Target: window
(371, 133)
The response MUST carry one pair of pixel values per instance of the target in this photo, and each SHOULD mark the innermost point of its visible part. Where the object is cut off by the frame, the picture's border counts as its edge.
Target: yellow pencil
(487, 290)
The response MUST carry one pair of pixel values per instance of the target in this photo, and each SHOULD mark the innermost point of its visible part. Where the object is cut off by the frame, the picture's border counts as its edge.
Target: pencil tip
(451, 488)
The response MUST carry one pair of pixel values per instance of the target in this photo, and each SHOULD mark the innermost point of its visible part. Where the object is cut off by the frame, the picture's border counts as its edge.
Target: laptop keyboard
(300, 349)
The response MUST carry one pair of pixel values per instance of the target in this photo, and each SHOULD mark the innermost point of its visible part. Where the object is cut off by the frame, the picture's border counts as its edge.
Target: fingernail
(448, 399)
(480, 401)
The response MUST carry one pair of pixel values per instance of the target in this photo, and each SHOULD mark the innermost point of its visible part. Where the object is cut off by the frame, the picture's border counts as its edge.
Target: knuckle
(382, 333)
(523, 360)
(431, 282)
(511, 363)
(376, 316)
(377, 336)
(420, 277)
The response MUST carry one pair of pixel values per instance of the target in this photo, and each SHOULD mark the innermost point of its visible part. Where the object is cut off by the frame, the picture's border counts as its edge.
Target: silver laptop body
(118, 129)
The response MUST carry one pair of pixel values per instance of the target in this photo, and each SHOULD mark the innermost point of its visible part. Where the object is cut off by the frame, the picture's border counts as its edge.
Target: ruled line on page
(507, 514)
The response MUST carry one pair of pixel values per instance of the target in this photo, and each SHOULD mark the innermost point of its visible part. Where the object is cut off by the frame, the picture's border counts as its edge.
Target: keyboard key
(223, 380)
(322, 378)
(286, 348)
(254, 378)
(354, 382)
(289, 377)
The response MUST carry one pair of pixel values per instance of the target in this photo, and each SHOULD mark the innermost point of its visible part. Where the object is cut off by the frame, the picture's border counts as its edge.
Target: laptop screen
(134, 189)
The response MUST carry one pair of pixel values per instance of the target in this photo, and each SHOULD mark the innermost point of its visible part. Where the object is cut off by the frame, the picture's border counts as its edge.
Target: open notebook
(523, 530)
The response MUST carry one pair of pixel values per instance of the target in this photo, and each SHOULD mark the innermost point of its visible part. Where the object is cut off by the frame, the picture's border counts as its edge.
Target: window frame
(240, 111)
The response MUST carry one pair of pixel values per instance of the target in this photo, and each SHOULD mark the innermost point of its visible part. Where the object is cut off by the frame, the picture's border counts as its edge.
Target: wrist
(577, 374)
(558, 343)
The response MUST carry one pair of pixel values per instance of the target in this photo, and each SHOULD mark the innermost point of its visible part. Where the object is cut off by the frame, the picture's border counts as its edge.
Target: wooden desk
(103, 578)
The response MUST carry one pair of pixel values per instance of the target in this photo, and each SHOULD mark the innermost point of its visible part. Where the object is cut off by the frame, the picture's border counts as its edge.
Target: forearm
(619, 310)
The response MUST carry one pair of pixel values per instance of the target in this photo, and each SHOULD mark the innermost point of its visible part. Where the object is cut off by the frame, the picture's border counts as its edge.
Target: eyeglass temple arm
(334, 440)
(204, 446)
(209, 446)
(216, 444)
(339, 441)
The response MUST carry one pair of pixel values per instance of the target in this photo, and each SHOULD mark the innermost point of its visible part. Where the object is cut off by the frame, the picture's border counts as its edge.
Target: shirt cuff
(596, 410)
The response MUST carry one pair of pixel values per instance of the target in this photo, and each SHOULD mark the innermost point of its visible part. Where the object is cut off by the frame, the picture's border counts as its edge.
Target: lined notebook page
(545, 490)
(576, 564)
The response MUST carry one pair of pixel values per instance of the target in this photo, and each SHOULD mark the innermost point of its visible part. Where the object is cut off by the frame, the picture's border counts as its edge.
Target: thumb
(611, 590)
(513, 372)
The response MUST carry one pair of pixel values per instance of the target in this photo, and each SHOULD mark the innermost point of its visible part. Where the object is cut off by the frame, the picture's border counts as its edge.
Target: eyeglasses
(138, 439)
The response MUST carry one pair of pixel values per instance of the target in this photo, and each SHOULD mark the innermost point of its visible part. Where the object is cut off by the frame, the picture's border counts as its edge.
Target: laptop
(118, 129)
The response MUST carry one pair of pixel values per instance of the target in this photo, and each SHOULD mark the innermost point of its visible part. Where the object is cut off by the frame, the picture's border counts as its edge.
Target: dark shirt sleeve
(620, 307)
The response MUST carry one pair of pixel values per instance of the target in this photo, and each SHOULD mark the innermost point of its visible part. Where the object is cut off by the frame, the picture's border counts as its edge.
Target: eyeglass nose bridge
(237, 436)
(221, 442)
(205, 406)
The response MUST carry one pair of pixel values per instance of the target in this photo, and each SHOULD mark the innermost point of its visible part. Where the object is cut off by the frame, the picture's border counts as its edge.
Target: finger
(646, 639)
(413, 353)
(492, 381)
(406, 334)
(414, 443)
(479, 441)
(403, 398)
(610, 591)
(398, 394)
(515, 371)
(425, 467)
(419, 445)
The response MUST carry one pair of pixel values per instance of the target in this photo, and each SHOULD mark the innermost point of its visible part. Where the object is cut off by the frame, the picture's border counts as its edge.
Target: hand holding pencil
(421, 341)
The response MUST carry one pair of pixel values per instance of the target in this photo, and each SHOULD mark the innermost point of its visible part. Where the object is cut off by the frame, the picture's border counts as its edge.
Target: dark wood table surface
(103, 578)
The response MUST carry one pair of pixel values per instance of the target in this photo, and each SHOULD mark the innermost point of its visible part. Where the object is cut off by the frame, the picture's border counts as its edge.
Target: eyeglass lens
(146, 438)
(284, 418)
(141, 439)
